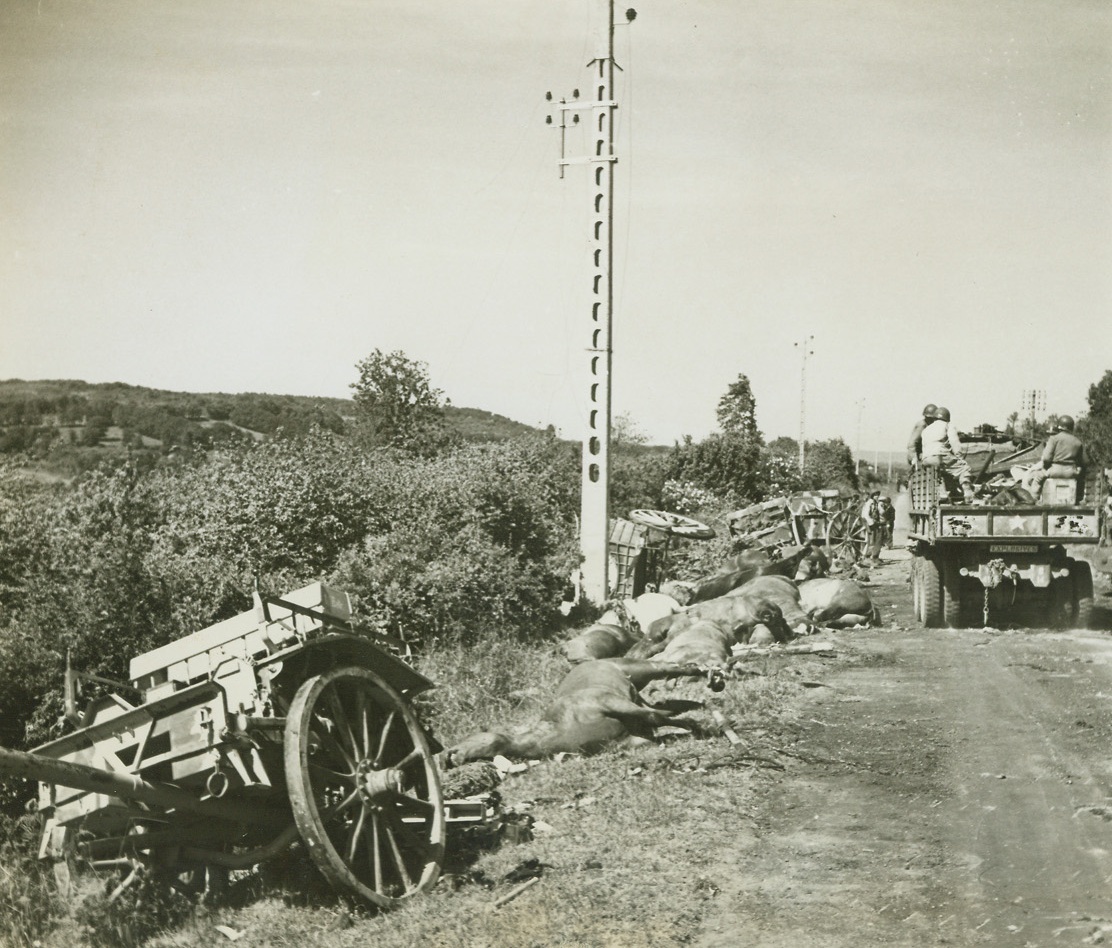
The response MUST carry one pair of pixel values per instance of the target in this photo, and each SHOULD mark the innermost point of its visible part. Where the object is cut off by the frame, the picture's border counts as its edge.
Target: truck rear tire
(951, 596)
(1082, 595)
(1061, 602)
(930, 594)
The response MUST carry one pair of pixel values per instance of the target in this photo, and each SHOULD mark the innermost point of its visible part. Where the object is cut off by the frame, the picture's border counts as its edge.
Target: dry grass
(492, 683)
(28, 905)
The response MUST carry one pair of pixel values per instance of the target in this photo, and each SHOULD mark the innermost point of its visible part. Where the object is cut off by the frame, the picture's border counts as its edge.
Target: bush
(481, 539)
(724, 464)
(121, 562)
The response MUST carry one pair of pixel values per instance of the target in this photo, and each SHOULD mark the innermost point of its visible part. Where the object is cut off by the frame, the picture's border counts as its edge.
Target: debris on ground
(528, 869)
(470, 779)
(510, 896)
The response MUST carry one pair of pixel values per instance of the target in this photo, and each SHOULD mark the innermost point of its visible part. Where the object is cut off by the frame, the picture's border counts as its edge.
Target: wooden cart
(276, 725)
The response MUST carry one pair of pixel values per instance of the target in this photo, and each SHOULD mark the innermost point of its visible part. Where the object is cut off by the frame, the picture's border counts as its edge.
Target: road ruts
(943, 788)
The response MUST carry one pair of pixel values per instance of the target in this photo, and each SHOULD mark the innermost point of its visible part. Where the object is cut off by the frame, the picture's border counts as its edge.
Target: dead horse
(597, 705)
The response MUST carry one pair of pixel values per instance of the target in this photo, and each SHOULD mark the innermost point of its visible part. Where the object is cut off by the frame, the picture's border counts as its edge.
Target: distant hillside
(69, 424)
(474, 424)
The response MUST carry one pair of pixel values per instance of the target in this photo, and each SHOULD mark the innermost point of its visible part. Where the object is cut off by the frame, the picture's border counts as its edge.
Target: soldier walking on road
(888, 516)
(874, 524)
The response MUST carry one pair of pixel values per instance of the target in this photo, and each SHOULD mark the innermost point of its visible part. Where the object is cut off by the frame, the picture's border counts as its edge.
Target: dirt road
(948, 788)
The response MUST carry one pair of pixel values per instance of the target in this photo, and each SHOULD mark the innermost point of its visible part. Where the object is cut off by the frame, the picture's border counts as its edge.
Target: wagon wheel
(672, 523)
(847, 534)
(364, 786)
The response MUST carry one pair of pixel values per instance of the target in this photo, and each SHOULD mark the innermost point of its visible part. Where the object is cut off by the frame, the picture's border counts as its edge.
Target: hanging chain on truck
(997, 571)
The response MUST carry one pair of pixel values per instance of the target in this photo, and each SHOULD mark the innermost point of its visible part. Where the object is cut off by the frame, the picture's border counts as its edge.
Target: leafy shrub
(481, 539)
(685, 498)
(829, 464)
(637, 480)
(121, 562)
(725, 464)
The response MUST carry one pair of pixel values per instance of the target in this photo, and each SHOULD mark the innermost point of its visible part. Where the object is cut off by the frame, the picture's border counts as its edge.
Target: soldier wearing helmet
(915, 441)
(1063, 456)
(941, 448)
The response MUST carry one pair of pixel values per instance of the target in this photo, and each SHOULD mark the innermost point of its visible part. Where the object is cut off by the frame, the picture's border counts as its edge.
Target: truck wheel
(951, 596)
(930, 595)
(1061, 606)
(1082, 595)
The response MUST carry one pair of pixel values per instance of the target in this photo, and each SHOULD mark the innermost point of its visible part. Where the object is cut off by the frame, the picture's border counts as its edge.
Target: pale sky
(200, 195)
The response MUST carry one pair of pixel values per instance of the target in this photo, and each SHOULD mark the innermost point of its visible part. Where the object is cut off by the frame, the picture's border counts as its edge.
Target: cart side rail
(276, 626)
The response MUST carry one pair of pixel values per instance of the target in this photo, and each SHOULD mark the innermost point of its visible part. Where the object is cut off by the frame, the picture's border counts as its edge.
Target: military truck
(999, 560)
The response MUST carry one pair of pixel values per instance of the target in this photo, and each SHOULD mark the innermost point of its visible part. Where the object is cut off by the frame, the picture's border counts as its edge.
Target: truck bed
(956, 523)
(1005, 525)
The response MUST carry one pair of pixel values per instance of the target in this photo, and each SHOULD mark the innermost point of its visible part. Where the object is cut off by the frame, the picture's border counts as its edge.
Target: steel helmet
(943, 414)
(1065, 423)
(930, 411)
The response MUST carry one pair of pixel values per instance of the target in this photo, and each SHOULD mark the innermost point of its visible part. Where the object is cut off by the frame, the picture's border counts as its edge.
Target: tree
(1096, 427)
(737, 412)
(625, 432)
(636, 480)
(829, 464)
(396, 405)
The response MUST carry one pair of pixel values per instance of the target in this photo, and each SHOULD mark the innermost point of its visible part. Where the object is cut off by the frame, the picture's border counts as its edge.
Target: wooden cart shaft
(165, 798)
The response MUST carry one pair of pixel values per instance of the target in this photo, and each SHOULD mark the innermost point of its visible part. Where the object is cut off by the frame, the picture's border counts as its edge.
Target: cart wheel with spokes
(364, 786)
(673, 523)
(847, 535)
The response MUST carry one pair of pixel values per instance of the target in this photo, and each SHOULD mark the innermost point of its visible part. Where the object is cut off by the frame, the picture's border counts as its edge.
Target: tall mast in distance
(805, 350)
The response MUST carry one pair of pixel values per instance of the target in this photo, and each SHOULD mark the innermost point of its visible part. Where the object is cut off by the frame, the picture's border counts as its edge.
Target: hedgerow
(121, 561)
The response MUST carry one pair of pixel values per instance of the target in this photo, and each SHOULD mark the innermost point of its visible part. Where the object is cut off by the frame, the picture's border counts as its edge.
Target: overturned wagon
(275, 725)
(824, 517)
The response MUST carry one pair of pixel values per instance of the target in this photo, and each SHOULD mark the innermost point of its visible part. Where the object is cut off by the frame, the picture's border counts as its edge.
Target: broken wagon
(826, 517)
(278, 725)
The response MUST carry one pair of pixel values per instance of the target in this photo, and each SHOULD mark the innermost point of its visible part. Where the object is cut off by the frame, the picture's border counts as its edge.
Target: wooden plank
(191, 647)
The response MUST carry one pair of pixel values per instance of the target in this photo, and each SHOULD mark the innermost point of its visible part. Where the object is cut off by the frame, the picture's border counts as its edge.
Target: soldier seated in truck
(942, 449)
(1063, 456)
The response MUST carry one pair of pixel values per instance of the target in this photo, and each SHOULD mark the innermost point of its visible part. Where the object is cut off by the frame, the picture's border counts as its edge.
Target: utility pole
(860, 415)
(805, 350)
(1034, 408)
(594, 523)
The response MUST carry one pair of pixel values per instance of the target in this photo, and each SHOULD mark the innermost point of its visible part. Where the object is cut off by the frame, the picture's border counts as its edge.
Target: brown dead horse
(597, 705)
